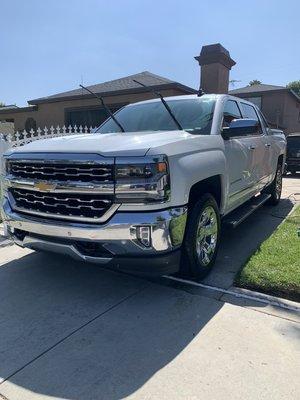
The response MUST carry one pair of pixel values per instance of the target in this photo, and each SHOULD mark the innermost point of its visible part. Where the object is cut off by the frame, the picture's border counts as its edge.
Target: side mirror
(240, 127)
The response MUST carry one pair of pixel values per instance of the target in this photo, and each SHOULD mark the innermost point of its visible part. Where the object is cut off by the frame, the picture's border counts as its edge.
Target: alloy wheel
(278, 183)
(207, 235)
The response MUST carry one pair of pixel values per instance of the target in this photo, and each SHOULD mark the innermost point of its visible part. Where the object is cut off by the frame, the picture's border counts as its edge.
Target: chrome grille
(66, 186)
(71, 172)
(88, 207)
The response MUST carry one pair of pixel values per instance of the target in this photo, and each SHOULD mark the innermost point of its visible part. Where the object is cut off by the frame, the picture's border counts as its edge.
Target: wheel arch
(280, 159)
(212, 185)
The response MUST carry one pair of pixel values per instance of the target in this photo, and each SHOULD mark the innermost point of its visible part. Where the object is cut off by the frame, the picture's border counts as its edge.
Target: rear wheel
(276, 187)
(202, 238)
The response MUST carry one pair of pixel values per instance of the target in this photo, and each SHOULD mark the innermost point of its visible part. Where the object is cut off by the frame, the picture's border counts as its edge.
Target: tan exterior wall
(280, 108)
(273, 107)
(291, 114)
(53, 114)
(19, 118)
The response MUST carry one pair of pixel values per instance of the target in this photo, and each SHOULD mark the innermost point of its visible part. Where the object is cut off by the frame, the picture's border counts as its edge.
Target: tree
(254, 82)
(2, 104)
(295, 86)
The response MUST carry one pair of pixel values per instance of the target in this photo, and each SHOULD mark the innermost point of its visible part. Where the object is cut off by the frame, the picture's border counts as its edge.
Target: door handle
(267, 144)
(252, 147)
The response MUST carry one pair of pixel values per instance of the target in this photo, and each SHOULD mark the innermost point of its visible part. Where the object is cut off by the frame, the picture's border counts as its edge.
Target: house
(280, 105)
(78, 107)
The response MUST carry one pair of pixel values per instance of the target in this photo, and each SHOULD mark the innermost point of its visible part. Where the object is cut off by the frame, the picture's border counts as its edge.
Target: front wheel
(202, 237)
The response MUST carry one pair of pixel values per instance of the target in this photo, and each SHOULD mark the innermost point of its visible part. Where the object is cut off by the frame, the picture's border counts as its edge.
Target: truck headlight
(142, 179)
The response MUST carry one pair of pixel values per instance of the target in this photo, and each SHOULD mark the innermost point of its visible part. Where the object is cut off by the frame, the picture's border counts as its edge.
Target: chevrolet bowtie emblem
(44, 187)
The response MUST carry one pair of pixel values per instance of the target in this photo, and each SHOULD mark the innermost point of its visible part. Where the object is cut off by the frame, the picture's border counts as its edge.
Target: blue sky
(48, 47)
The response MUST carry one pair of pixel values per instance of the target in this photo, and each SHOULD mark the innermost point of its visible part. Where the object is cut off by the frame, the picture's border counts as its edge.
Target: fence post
(4, 146)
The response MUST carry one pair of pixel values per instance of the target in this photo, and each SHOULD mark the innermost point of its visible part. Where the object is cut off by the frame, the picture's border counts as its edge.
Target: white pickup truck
(147, 194)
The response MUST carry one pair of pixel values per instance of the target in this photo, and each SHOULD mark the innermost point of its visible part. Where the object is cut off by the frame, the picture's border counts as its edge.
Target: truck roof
(192, 96)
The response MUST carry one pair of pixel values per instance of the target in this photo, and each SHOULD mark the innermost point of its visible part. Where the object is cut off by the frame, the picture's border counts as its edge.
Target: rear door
(271, 157)
(259, 168)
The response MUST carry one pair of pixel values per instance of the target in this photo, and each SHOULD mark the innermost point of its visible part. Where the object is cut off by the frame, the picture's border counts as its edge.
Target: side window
(250, 112)
(263, 120)
(231, 111)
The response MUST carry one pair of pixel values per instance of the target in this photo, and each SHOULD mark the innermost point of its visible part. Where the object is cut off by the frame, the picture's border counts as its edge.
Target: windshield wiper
(164, 103)
(105, 106)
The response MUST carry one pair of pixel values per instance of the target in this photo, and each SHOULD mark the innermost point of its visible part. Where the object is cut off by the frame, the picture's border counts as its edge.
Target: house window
(30, 123)
(87, 116)
(254, 100)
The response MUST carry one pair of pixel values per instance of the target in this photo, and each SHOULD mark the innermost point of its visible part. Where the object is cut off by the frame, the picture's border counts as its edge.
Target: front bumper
(118, 238)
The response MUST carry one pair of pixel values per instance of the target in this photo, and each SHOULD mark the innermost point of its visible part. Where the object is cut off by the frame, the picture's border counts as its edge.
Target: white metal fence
(16, 139)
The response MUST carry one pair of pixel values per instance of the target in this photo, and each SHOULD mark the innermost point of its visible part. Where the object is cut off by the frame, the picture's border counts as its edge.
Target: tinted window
(250, 112)
(231, 111)
(195, 116)
(264, 121)
(293, 143)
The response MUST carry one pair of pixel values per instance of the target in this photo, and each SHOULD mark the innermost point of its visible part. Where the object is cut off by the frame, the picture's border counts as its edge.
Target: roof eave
(257, 93)
(172, 85)
(19, 110)
(294, 94)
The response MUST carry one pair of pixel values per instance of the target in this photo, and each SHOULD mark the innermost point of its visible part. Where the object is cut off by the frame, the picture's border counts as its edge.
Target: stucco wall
(291, 114)
(280, 108)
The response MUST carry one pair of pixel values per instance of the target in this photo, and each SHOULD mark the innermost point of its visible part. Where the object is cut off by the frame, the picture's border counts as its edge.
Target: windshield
(194, 115)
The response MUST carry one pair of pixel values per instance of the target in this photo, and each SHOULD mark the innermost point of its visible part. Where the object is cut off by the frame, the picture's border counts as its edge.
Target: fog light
(143, 234)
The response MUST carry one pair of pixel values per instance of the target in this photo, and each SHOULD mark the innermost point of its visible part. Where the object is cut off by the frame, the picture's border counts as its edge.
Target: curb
(245, 294)
(266, 298)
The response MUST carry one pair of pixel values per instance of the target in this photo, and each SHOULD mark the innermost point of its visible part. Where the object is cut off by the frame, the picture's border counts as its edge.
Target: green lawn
(275, 266)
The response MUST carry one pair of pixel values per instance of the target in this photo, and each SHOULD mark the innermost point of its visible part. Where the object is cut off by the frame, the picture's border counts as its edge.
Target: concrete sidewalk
(75, 331)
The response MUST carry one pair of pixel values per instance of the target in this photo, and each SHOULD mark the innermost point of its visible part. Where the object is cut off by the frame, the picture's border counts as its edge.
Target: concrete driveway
(75, 331)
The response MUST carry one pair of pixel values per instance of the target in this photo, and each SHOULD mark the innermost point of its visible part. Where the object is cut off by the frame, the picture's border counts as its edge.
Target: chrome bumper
(118, 236)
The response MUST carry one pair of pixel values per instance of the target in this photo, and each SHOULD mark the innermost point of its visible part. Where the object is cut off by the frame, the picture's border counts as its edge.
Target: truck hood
(109, 144)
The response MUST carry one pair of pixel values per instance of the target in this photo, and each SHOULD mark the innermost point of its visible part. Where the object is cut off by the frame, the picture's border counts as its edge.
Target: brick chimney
(215, 63)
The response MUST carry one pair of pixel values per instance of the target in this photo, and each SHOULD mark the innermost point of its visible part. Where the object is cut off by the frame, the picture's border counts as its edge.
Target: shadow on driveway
(76, 331)
(92, 333)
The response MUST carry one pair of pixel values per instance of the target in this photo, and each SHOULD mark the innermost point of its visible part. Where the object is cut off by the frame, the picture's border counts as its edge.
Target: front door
(240, 156)
(260, 168)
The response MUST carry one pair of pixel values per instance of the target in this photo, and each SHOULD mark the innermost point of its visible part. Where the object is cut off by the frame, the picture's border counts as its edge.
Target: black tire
(198, 256)
(275, 188)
